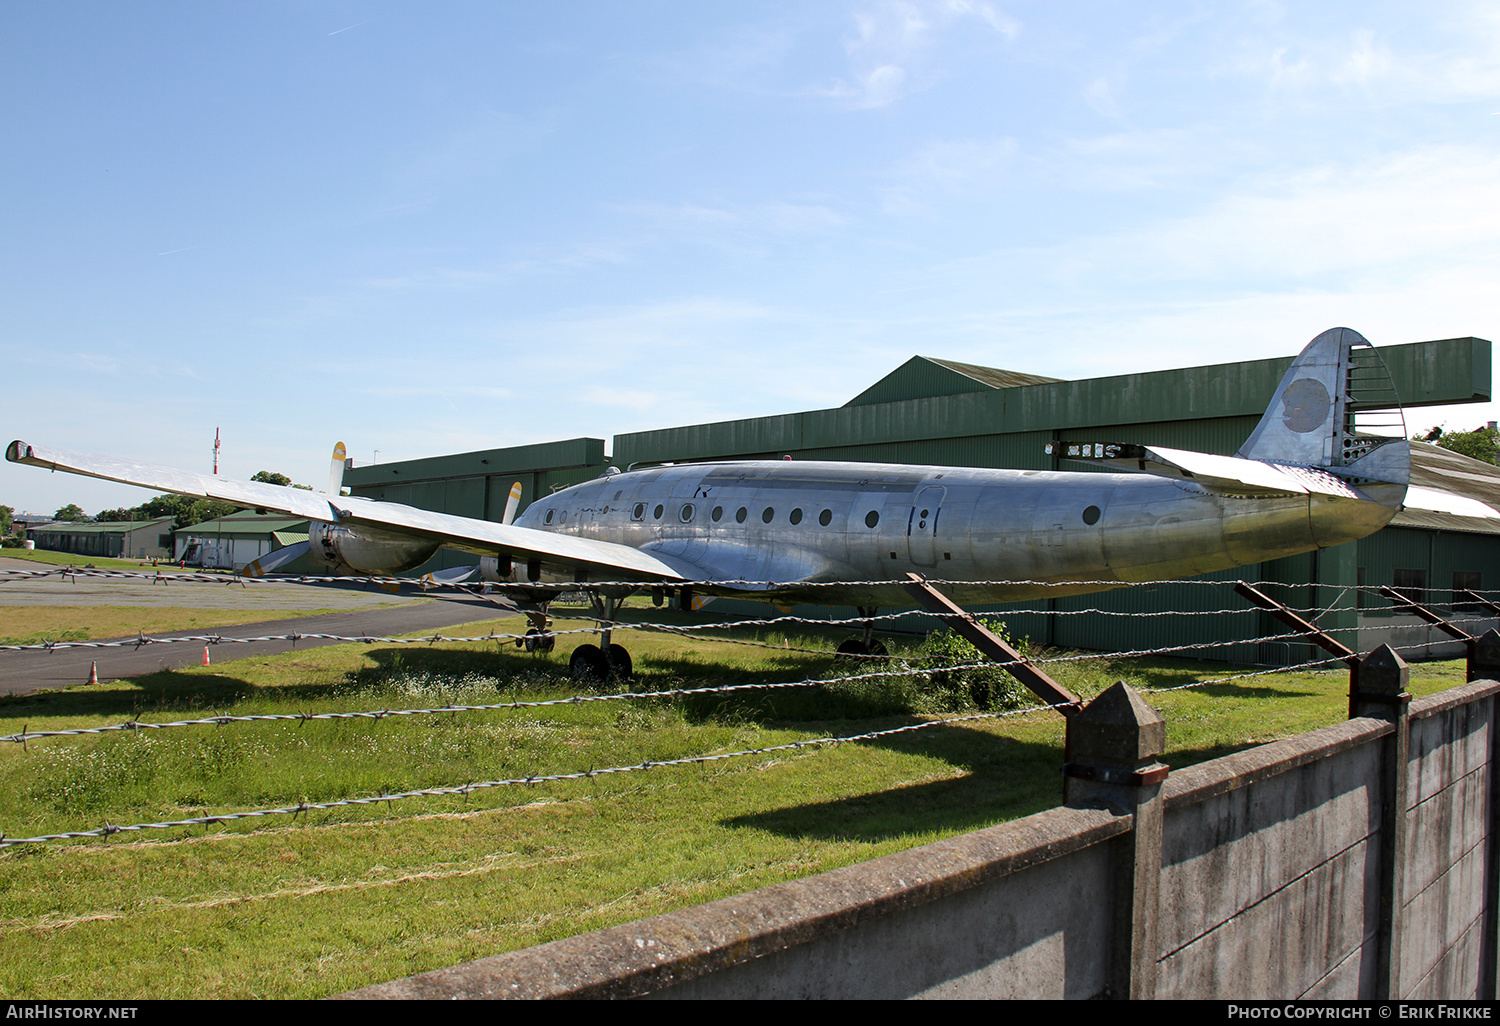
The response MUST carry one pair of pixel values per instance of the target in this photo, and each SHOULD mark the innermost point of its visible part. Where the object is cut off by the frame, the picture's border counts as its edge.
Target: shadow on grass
(1005, 779)
(163, 690)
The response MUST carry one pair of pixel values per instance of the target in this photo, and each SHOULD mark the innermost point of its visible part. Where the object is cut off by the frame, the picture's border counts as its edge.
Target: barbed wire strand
(465, 789)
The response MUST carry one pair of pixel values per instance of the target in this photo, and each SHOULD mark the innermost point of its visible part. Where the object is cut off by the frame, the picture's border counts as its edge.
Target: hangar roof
(924, 376)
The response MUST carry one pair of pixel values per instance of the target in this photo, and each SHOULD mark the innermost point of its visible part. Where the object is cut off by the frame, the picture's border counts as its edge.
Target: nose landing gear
(866, 645)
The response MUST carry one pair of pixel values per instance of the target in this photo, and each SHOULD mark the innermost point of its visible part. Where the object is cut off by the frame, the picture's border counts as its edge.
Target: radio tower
(216, 450)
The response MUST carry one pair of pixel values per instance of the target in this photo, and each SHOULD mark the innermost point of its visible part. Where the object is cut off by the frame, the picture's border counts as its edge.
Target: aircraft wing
(482, 537)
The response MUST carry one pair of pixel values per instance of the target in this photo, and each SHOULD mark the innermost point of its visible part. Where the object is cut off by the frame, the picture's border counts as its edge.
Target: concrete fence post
(1382, 695)
(1484, 664)
(1114, 742)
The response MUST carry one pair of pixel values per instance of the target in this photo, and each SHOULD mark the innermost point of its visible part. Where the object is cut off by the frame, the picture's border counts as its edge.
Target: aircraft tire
(619, 662)
(853, 648)
(588, 664)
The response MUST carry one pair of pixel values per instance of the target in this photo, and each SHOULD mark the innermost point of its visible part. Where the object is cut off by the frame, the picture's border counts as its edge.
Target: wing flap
(482, 537)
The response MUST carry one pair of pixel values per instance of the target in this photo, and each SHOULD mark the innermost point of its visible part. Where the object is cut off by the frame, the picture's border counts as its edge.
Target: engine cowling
(366, 550)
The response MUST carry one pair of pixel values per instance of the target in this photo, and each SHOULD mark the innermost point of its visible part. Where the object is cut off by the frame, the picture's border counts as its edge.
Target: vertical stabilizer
(1310, 420)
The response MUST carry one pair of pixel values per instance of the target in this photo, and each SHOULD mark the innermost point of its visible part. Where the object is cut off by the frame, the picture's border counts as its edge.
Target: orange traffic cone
(93, 673)
(205, 655)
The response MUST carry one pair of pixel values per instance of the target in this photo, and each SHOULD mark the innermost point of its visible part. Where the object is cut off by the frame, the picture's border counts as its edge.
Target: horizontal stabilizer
(1436, 501)
(1231, 475)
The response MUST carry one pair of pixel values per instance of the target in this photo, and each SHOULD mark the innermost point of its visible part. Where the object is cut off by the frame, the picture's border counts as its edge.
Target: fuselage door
(922, 525)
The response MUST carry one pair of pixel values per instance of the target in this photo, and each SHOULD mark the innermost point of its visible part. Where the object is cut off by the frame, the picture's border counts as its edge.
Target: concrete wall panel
(1456, 976)
(1225, 854)
(1024, 936)
(1436, 919)
(1350, 978)
(1442, 829)
(1283, 946)
(1447, 746)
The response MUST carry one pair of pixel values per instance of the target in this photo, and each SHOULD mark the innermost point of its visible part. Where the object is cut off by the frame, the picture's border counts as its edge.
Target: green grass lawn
(49, 558)
(329, 901)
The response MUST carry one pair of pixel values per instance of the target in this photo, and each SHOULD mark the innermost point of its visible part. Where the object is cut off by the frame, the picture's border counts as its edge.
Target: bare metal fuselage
(856, 526)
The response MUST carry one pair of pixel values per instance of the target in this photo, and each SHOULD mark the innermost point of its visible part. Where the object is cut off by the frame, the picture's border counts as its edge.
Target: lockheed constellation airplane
(849, 533)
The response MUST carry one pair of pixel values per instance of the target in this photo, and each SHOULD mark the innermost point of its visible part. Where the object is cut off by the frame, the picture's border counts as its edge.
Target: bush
(988, 687)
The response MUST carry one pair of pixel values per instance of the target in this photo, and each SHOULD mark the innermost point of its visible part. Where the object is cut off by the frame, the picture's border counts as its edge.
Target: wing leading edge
(482, 537)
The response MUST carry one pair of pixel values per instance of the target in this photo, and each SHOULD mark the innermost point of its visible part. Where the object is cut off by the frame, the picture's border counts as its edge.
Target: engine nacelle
(366, 550)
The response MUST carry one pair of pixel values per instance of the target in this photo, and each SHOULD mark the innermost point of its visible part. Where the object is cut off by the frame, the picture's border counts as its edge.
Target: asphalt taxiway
(364, 613)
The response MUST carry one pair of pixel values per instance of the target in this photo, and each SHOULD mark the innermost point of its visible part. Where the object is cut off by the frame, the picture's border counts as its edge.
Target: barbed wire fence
(699, 631)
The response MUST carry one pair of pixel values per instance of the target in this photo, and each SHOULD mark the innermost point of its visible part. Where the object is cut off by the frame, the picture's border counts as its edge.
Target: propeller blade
(336, 469)
(452, 575)
(271, 560)
(511, 503)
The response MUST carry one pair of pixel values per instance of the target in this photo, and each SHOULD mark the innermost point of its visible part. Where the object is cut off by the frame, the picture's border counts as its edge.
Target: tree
(1481, 444)
(6, 513)
(72, 514)
(272, 477)
(110, 516)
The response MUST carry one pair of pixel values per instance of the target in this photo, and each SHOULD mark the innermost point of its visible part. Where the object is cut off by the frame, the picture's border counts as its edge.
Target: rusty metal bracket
(1314, 634)
(1105, 775)
(992, 646)
(1401, 604)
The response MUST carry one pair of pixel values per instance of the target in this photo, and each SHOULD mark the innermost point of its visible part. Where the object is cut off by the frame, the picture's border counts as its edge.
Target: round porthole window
(686, 513)
(741, 514)
(639, 511)
(550, 514)
(796, 516)
(1091, 515)
(768, 515)
(826, 517)
(718, 513)
(872, 518)
(658, 511)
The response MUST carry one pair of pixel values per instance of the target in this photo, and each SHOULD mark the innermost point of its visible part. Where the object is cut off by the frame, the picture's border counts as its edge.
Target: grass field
(333, 900)
(49, 558)
(32, 625)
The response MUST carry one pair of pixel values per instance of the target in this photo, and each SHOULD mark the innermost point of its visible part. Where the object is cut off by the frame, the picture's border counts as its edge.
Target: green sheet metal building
(932, 411)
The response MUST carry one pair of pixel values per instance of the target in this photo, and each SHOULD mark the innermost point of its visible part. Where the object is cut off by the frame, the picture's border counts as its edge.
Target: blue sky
(434, 227)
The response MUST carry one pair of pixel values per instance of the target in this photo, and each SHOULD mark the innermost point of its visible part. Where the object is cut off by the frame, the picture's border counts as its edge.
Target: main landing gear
(867, 645)
(605, 660)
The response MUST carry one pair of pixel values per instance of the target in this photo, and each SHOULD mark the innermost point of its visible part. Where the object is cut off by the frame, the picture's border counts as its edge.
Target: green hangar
(939, 412)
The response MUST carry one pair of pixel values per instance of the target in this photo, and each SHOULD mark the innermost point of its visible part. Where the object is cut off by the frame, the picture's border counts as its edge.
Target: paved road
(22, 672)
(230, 593)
